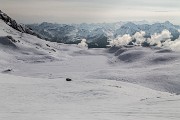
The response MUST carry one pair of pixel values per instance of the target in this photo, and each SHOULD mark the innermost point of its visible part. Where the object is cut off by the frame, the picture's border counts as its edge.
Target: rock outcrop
(20, 27)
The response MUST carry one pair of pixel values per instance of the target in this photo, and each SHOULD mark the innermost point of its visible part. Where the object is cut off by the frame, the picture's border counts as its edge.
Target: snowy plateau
(116, 83)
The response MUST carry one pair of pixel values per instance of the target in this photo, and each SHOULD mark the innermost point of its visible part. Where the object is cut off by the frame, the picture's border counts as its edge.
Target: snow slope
(128, 83)
(24, 98)
(44, 94)
(21, 47)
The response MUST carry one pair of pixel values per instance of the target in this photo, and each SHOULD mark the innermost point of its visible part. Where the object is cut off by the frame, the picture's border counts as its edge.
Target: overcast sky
(78, 11)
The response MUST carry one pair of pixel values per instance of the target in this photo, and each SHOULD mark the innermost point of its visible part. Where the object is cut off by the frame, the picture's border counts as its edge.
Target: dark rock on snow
(7, 71)
(68, 79)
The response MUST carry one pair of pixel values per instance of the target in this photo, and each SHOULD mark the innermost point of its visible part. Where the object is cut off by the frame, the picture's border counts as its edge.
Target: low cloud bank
(121, 40)
(162, 39)
(83, 44)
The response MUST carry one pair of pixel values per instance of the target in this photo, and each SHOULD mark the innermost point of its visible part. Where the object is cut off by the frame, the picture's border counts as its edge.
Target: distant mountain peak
(167, 22)
(94, 31)
(130, 24)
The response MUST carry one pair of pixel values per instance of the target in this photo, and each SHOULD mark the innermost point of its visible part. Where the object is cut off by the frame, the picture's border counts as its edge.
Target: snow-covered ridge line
(17, 46)
(100, 33)
(20, 27)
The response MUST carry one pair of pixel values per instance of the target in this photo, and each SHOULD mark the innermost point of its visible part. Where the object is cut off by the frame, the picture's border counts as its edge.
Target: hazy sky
(77, 11)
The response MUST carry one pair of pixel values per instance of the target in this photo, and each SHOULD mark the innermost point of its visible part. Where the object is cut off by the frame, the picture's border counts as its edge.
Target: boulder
(20, 28)
(68, 79)
(8, 41)
(29, 31)
(0, 16)
(14, 24)
(7, 71)
(12, 39)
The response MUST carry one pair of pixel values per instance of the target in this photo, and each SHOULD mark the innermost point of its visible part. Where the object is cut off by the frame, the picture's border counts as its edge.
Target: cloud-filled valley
(163, 39)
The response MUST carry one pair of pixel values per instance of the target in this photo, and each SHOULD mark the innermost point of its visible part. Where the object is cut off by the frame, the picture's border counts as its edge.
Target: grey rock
(68, 79)
(21, 28)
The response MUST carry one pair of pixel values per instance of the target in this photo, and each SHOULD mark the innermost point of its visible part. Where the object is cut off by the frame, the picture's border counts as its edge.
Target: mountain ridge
(19, 27)
(69, 33)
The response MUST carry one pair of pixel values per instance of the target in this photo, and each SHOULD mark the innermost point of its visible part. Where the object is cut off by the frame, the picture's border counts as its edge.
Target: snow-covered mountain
(19, 27)
(18, 43)
(131, 28)
(75, 33)
(95, 32)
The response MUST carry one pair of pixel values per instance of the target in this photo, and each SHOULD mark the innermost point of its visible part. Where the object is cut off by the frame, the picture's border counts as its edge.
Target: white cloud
(174, 45)
(157, 39)
(162, 39)
(139, 36)
(83, 44)
(121, 40)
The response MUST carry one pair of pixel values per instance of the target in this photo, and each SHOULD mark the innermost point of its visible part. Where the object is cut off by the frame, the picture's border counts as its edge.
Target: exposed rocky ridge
(20, 27)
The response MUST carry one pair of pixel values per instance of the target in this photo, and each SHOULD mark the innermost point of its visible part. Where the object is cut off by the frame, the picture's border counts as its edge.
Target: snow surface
(129, 83)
